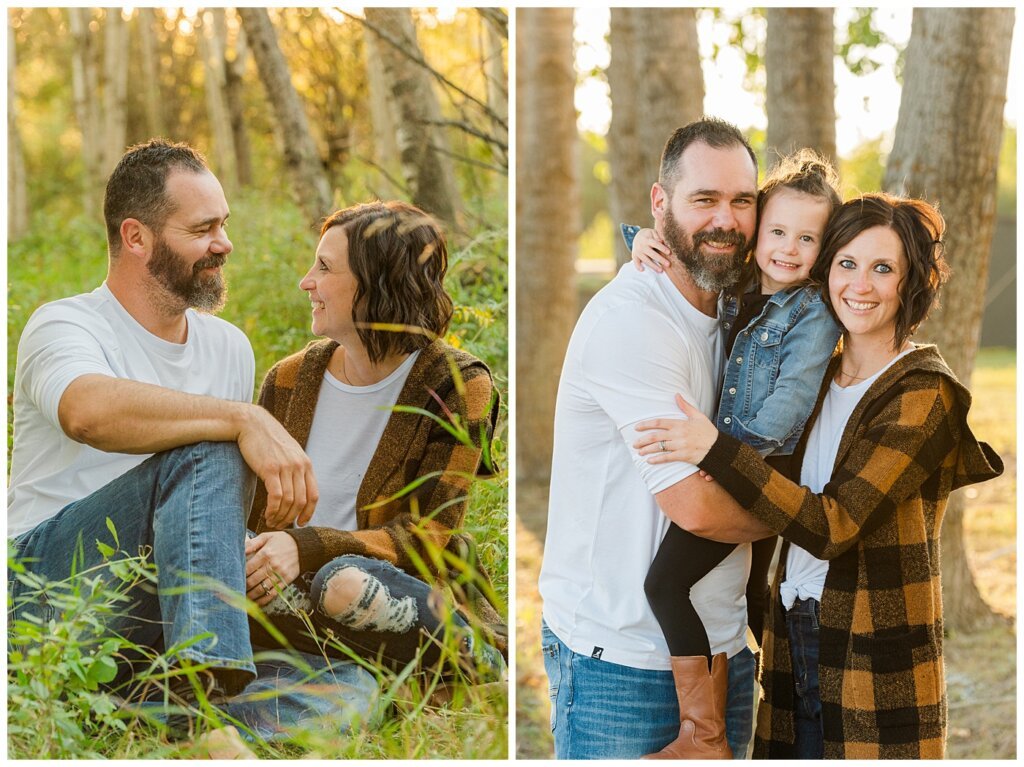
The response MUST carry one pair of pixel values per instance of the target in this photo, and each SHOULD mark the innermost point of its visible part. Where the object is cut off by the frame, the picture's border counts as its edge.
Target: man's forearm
(123, 416)
(707, 510)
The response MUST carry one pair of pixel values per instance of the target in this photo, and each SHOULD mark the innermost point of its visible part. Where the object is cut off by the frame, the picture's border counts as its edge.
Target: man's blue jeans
(331, 694)
(186, 507)
(601, 710)
(802, 621)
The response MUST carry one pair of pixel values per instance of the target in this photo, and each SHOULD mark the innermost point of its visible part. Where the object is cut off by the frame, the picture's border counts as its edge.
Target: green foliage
(62, 659)
(863, 169)
(863, 38)
(59, 656)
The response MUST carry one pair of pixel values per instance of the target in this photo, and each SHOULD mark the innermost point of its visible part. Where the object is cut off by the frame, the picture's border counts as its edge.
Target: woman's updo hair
(399, 258)
(919, 227)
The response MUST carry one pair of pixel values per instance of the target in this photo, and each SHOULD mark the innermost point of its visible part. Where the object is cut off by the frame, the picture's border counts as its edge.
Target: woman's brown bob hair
(399, 258)
(920, 228)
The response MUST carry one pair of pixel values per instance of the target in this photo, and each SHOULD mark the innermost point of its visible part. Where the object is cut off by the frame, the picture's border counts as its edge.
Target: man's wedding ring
(663, 448)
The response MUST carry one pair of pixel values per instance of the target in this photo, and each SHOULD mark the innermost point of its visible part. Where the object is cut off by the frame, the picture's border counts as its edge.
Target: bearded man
(643, 338)
(134, 428)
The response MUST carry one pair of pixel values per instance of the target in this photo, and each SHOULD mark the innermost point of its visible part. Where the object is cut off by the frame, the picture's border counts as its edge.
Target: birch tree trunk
(212, 44)
(309, 182)
(382, 116)
(497, 78)
(17, 196)
(799, 65)
(145, 22)
(547, 225)
(656, 86)
(234, 72)
(946, 149)
(426, 165)
(115, 88)
(85, 89)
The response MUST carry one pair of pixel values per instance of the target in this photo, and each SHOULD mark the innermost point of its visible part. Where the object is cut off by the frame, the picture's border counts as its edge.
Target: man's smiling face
(709, 216)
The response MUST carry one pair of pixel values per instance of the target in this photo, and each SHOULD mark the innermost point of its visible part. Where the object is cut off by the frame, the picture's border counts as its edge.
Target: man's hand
(271, 563)
(285, 469)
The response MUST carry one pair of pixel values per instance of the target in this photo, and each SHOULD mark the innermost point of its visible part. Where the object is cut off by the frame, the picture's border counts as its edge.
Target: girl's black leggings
(681, 561)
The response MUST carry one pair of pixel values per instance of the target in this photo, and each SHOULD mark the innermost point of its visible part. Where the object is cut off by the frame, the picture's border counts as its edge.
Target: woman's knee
(351, 591)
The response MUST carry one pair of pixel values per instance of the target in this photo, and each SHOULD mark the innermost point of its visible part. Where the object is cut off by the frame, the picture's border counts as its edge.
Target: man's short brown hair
(137, 188)
(713, 131)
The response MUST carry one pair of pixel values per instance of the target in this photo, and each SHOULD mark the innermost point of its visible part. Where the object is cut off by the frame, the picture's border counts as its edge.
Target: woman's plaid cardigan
(416, 527)
(906, 446)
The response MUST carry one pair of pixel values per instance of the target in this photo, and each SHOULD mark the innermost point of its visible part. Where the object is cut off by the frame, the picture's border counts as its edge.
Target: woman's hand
(650, 250)
(673, 439)
(271, 563)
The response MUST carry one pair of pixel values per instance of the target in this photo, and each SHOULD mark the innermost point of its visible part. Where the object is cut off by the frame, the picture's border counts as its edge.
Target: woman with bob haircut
(394, 421)
(852, 651)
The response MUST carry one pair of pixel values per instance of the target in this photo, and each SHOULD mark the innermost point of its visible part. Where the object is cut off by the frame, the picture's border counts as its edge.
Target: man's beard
(206, 293)
(710, 273)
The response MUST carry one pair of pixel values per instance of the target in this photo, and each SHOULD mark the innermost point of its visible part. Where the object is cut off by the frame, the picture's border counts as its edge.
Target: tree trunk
(628, 202)
(670, 87)
(212, 44)
(115, 88)
(799, 63)
(497, 78)
(656, 86)
(17, 200)
(547, 224)
(382, 117)
(234, 72)
(426, 165)
(145, 22)
(946, 149)
(309, 182)
(85, 89)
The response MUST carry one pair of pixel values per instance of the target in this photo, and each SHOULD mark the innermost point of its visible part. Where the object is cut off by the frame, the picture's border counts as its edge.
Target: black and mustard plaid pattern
(413, 446)
(906, 446)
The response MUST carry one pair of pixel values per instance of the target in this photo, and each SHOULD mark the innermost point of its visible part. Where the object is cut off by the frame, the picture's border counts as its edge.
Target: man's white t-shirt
(347, 426)
(637, 343)
(92, 333)
(805, 573)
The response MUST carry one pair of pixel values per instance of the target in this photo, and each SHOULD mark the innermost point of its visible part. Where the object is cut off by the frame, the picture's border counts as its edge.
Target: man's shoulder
(84, 310)
(630, 297)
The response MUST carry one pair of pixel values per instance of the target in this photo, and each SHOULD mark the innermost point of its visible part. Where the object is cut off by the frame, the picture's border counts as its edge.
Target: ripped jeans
(390, 615)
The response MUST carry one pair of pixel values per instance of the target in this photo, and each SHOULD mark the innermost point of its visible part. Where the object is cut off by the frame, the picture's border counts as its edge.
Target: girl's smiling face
(789, 237)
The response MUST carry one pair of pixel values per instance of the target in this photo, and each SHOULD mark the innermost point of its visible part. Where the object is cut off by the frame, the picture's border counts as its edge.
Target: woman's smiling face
(331, 286)
(864, 283)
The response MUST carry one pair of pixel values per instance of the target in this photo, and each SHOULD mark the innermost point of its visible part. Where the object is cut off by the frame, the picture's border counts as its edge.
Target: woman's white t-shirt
(805, 574)
(347, 425)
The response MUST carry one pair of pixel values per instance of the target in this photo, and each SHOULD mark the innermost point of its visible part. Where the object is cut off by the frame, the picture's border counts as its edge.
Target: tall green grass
(273, 248)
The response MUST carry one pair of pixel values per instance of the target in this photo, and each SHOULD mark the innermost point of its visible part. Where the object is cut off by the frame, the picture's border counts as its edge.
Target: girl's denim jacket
(774, 372)
(776, 366)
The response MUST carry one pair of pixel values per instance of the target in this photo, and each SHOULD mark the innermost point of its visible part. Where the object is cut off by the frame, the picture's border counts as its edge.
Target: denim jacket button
(727, 325)
(727, 419)
(739, 360)
(764, 336)
(732, 390)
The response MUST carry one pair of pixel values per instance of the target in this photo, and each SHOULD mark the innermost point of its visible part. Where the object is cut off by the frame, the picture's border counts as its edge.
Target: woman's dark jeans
(802, 621)
(396, 619)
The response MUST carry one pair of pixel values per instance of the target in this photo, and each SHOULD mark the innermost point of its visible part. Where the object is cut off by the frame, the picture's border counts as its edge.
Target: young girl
(779, 337)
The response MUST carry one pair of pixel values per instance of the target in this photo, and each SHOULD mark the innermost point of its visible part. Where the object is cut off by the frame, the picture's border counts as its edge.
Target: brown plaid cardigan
(412, 447)
(906, 446)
